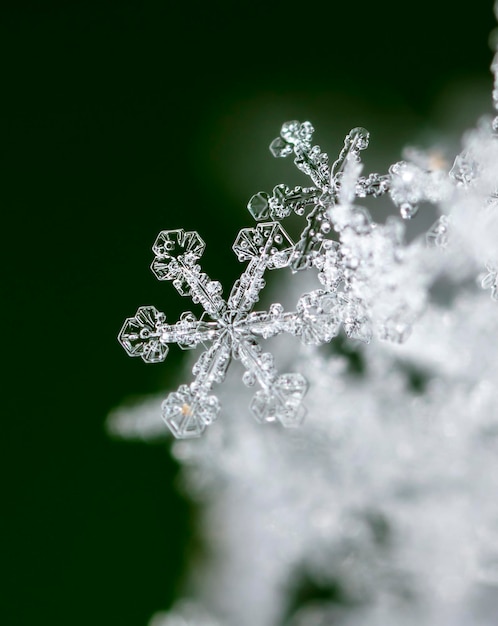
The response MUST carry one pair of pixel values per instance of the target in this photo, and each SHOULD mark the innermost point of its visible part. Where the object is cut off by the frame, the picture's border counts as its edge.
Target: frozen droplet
(407, 210)
(276, 309)
(360, 136)
(290, 131)
(306, 131)
(249, 379)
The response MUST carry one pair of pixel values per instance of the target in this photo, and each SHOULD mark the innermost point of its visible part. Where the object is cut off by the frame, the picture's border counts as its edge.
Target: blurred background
(121, 119)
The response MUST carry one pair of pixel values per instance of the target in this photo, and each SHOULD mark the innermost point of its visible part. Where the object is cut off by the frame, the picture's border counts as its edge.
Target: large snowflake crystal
(227, 326)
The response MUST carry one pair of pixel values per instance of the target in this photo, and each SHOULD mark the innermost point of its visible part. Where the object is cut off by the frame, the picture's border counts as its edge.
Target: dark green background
(119, 120)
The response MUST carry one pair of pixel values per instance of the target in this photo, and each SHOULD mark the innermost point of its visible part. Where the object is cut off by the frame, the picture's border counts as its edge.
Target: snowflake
(295, 138)
(372, 281)
(228, 326)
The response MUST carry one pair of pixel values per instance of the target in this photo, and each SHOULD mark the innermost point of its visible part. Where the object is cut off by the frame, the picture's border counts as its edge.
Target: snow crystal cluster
(381, 509)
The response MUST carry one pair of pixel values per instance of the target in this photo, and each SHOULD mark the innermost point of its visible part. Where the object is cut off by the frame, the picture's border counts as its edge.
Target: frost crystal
(228, 326)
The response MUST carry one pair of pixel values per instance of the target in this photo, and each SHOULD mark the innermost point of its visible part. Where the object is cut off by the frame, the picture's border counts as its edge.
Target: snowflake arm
(177, 253)
(267, 246)
(280, 397)
(191, 408)
(147, 335)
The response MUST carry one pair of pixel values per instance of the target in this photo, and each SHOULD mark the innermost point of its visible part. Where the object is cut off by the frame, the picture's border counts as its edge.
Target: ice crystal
(227, 325)
(374, 283)
(295, 138)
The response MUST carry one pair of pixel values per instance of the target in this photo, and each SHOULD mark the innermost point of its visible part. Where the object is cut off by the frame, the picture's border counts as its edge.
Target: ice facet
(171, 243)
(282, 401)
(465, 169)
(188, 414)
(258, 206)
(267, 238)
(262, 407)
(437, 235)
(291, 389)
(174, 248)
(140, 335)
(280, 148)
(318, 312)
